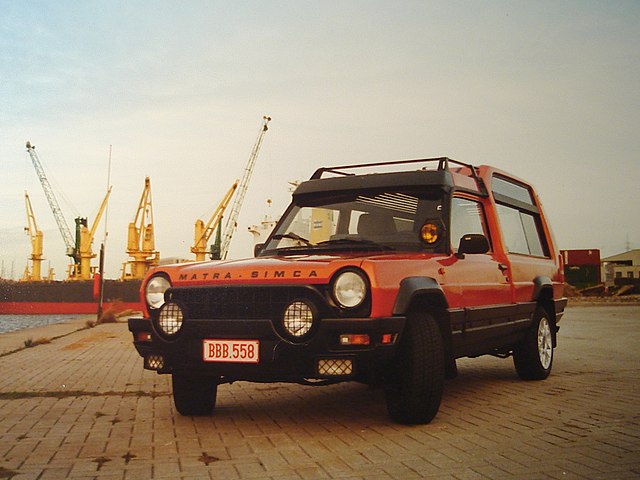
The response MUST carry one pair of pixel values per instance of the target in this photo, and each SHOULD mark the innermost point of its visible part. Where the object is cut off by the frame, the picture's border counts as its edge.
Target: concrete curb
(12, 342)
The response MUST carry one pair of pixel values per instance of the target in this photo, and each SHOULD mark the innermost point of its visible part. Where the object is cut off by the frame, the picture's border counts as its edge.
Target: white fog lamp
(170, 318)
(298, 318)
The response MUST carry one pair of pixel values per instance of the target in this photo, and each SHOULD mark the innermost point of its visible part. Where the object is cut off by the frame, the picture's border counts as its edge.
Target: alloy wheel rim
(545, 347)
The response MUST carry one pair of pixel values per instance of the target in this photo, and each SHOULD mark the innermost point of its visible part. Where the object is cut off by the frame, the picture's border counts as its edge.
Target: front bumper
(281, 360)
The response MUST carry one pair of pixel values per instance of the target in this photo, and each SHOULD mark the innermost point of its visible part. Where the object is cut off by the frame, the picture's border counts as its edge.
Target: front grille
(245, 302)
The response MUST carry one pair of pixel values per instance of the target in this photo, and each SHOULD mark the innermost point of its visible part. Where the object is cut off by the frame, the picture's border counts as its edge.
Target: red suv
(380, 273)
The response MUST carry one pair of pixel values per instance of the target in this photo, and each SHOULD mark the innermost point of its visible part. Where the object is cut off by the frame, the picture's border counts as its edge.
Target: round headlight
(349, 289)
(298, 318)
(154, 291)
(170, 318)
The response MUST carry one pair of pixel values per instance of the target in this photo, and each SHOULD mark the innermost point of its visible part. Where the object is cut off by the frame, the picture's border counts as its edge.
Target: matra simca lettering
(254, 274)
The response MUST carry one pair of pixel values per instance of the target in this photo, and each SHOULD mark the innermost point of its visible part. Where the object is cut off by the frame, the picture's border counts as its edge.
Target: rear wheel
(194, 395)
(418, 374)
(533, 357)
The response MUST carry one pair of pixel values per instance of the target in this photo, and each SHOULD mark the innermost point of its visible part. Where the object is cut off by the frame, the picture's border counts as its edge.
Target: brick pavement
(82, 407)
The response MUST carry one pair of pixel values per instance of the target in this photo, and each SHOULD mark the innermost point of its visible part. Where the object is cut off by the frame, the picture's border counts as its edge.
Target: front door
(487, 296)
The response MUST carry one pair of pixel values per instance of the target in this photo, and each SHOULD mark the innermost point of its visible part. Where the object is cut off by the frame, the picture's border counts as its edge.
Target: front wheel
(194, 395)
(533, 357)
(418, 373)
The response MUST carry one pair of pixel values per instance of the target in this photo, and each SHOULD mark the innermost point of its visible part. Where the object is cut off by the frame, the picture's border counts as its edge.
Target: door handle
(503, 267)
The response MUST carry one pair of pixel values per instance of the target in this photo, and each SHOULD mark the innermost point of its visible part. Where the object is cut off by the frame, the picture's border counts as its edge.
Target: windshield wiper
(355, 241)
(292, 236)
(327, 245)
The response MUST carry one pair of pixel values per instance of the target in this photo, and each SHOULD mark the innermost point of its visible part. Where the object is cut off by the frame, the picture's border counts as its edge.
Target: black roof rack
(443, 164)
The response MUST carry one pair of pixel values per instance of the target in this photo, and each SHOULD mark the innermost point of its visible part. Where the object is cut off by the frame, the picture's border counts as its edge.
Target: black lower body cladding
(279, 359)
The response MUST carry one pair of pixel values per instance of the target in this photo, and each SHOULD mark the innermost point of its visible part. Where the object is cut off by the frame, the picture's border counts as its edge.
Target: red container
(581, 257)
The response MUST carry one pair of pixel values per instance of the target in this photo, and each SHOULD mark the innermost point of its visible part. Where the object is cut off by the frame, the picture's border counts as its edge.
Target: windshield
(381, 220)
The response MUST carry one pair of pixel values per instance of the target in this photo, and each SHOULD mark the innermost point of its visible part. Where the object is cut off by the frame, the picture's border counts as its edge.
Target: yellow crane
(35, 235)
(203, 232)
(141, 238)
(80, 250)
(82, 269)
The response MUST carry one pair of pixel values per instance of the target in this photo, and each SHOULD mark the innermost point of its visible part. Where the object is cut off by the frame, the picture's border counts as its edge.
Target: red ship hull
(55, 308)
(33, 298)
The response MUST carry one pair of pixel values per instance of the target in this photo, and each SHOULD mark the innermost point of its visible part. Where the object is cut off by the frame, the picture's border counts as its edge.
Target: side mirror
(473, 243)
(257, 249)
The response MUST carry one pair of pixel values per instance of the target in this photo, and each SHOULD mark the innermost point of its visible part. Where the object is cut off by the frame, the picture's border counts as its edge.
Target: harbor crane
(141, 238)
(82, 269)
(53, 202)
(232, 221)
(36, 237)
(80, 250)
(204, 232)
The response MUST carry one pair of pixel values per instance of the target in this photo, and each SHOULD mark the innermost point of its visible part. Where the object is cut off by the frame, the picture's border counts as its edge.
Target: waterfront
(13, 323)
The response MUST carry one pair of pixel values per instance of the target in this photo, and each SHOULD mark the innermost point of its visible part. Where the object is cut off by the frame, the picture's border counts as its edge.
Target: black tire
(533, 356)
(194, 395)
(418, 373)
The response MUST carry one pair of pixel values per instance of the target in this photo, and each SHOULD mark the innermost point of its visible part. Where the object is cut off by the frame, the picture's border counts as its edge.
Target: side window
(519, 218)
(467, 216)
(520, 232)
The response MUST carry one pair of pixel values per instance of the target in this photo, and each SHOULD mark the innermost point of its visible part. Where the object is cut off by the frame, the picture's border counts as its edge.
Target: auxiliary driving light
(430, 233)
(154, 362)
(170, 318)
(335, 367)
(298, 318)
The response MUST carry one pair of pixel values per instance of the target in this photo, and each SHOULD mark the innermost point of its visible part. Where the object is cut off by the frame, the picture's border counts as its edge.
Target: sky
(111, 92)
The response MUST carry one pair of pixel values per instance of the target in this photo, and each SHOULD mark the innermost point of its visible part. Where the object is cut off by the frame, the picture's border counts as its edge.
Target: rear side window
(519, 218)
(520, 232)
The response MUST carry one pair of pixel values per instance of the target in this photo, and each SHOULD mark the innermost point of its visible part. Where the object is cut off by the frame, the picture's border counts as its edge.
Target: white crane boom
(53, 202)
(232, 222)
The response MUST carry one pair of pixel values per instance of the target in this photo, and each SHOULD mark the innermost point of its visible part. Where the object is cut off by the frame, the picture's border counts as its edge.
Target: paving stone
(83, 407)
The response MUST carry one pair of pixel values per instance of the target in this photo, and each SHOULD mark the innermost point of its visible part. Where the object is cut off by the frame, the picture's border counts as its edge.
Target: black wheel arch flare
(425, 294)
(543, 296)
(413, 288)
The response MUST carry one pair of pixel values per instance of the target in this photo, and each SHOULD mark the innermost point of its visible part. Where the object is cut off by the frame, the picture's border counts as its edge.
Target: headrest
(371, 224)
